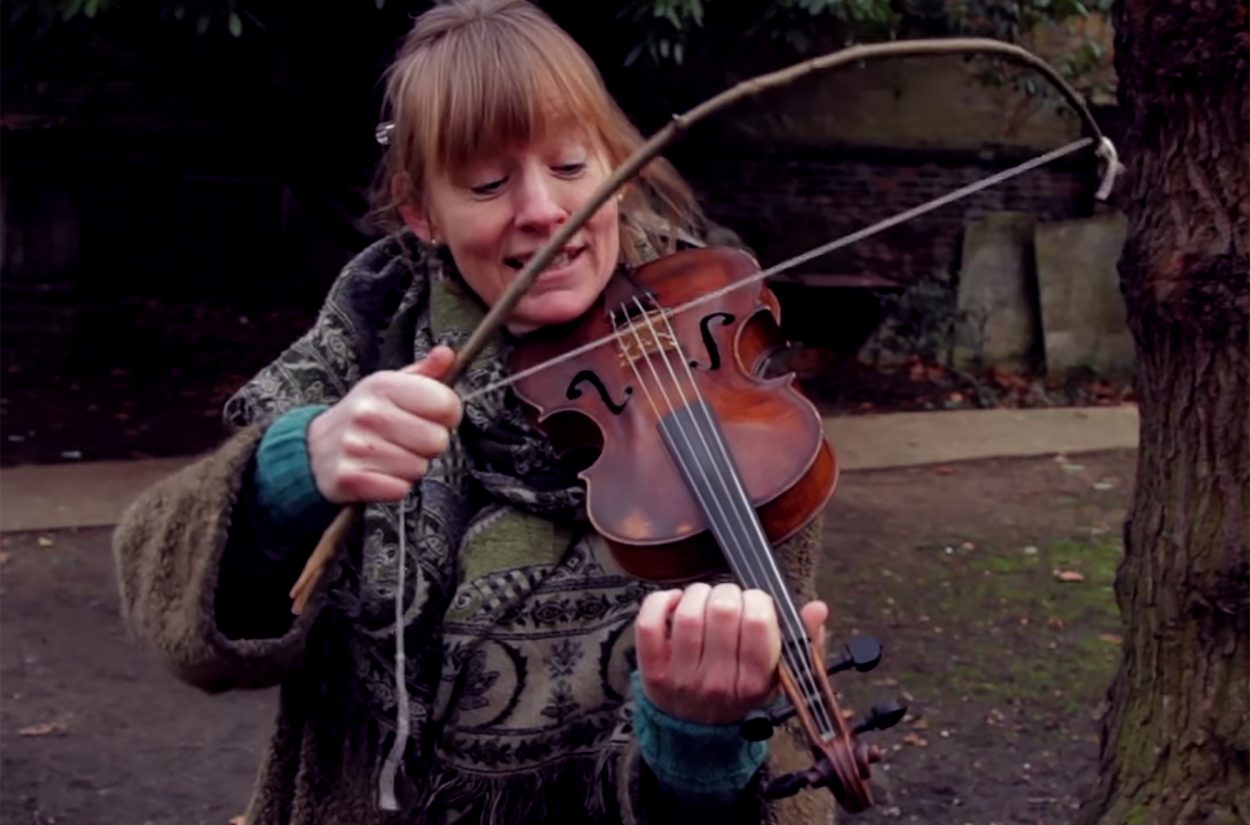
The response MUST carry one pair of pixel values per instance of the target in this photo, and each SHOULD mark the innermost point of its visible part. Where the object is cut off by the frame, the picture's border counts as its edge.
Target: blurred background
(182, 180)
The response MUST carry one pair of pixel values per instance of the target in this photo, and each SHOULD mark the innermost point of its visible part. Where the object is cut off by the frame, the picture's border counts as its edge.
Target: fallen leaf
(1069, 576)
(1103, 485)
(53, 727)
(1057, 624)
(46, 541)
(1111, 638)
(944, 470)
(4, 557)
(913, 739)
(920, 724)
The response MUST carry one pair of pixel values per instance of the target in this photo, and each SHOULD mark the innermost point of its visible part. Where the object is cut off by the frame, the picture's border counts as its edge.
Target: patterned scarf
(518, 625)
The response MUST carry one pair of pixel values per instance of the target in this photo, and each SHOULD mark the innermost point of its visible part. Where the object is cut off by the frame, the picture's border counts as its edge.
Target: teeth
(558, 261)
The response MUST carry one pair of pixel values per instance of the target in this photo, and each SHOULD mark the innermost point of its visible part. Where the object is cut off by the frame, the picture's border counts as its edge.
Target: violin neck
(693, 437)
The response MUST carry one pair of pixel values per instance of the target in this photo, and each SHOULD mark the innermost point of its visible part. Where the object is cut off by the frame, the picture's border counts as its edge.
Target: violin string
(810, 691)
(755, 563)
(707, 436)
(730, 550)
(838, 243)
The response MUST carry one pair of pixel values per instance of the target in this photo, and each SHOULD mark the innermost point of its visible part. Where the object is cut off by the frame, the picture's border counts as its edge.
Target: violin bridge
(649, 334)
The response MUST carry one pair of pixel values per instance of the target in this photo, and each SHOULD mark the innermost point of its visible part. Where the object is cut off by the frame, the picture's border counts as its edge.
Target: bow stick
(304, 587)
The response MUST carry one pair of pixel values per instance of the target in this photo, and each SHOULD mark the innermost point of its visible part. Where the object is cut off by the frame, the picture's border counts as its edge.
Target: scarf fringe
(575, 790)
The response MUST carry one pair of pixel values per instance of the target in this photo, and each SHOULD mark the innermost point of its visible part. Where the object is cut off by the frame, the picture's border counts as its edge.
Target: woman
(520, 629)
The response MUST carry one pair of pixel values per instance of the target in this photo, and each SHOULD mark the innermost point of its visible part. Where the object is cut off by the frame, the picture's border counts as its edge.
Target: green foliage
(666, 28)
(205, 17)
(670, 32)
(1079, 61)
(919, 322)
(1012, 19)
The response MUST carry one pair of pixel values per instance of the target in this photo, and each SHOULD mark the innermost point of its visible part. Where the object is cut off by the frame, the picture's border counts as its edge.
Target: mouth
(562, 259)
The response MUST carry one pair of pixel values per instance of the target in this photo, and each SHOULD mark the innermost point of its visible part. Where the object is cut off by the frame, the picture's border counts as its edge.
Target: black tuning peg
(862, 653)
(882, 716)
(758, 724)
(791, 783)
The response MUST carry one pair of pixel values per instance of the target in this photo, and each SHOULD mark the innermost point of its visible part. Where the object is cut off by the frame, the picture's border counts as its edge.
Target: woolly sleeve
(168, 548)
(180, 547)
(644, 801)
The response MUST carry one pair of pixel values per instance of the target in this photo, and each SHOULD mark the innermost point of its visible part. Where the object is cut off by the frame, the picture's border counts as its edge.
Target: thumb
(815, 614)
(435, 364)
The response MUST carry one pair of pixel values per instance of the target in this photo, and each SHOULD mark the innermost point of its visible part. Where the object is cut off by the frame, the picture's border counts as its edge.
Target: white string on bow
(824, 249)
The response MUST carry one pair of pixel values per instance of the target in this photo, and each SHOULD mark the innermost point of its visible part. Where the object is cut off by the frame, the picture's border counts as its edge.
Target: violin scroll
(842, 763)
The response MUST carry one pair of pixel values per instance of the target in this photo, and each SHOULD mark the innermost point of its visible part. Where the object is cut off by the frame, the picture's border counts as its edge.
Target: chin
(555, 308)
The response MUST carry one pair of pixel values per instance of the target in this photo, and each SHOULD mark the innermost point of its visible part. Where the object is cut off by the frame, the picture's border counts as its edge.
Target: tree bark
(1176, 740)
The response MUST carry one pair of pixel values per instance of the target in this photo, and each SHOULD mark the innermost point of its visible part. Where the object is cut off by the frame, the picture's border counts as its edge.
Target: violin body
(617, 410)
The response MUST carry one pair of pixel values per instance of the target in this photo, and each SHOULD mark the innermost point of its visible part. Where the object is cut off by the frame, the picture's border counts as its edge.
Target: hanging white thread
(387, 800)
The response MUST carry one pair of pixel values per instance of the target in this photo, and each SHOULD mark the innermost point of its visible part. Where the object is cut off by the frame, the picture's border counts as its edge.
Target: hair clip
(382, 134)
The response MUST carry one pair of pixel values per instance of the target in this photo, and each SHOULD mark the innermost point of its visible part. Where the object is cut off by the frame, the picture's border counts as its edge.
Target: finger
(371, 486)
(760, 646)
(422, 396)
(815, 614)
(408, 433)
(435, 363)
(394, 445)
(721, 632)
(651, 632)
(686, 633)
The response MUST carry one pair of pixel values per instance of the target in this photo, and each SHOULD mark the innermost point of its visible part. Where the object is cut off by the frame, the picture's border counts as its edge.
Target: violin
(677, 402)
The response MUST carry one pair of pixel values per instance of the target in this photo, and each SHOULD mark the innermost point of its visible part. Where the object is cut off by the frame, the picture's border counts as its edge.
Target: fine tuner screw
(861, 652)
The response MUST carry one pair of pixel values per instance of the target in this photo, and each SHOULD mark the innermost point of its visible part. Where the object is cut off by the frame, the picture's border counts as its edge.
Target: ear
(410, 209)
(416, 219)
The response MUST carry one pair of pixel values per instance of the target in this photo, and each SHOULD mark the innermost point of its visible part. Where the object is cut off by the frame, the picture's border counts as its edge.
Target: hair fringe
(528, 75)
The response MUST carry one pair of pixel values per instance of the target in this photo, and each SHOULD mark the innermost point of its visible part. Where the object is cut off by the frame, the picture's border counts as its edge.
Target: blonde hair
(475, 76)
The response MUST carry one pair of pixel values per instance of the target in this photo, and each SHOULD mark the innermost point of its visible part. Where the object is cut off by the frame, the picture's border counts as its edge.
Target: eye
(491, 187)
(570, 169)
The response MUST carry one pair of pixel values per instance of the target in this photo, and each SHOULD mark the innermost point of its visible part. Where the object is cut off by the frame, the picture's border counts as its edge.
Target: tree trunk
(1176, 740)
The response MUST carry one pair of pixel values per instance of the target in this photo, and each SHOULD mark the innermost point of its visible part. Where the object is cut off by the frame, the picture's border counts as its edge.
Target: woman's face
(495, 214)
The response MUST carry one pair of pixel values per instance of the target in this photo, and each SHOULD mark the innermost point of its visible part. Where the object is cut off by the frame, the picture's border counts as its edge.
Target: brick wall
(783, 202)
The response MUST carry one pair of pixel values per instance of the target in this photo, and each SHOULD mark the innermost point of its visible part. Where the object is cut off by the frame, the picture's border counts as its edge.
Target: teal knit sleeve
(692, 760)
(286, 492)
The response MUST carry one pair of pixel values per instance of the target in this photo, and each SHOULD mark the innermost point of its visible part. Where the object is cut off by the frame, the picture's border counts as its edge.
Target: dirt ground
(989, 584)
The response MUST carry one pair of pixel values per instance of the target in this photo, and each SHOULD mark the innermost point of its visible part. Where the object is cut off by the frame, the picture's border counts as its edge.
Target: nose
(538, 205)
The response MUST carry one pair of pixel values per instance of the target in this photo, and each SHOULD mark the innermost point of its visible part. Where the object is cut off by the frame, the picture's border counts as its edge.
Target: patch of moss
(1011, 631)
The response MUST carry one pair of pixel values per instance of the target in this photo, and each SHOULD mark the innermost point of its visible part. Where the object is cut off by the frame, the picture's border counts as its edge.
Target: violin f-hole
(589, 377)
(709, 343)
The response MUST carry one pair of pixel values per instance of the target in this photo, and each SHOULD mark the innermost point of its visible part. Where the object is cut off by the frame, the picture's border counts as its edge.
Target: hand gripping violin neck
(693, 461)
